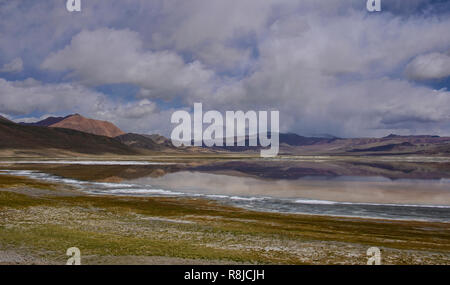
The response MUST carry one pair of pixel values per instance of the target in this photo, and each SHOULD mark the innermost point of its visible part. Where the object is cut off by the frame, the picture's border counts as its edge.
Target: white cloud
(429, 66)
(32, 119)
(338, 75)
(138, 117)
(108, 56)
(15, 66)
(24, 97)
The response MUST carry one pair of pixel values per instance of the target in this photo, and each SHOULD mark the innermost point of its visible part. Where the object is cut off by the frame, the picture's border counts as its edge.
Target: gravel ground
(11, 257)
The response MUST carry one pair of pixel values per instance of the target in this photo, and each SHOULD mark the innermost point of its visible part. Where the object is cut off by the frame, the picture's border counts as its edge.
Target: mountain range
(77, 134)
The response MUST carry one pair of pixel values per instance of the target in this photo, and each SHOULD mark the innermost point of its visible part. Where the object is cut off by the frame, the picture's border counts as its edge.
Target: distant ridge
(297, 140)
(393, 136)
(285, 139)
(139, 141)
(46, 122)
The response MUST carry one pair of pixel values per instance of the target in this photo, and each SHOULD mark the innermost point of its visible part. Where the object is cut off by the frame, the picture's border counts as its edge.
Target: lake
(334, 188)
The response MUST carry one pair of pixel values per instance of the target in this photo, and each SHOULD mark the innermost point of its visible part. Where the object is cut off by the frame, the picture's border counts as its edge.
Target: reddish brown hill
(96, 127)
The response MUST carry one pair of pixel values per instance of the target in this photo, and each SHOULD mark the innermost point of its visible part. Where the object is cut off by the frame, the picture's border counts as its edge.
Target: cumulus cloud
(15, 66)
(107, 56)
(141, 116)
(429, 66)
(24, 97)
(338, 76)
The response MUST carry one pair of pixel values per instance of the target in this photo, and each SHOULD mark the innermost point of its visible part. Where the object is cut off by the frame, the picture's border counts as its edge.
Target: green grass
(13, 200)
(10, 181)
(397, 234)
(58, 238)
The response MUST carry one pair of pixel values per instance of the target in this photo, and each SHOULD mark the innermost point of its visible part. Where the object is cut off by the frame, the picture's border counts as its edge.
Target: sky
(330, 67)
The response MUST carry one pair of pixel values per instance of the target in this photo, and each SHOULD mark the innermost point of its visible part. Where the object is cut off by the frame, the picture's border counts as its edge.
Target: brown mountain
(80, 123)
(48, 141)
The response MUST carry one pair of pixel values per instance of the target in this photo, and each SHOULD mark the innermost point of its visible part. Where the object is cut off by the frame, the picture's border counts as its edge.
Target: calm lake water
(336, 195)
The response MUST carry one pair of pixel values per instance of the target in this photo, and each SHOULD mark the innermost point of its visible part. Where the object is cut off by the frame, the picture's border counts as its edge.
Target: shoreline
(302, 205)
